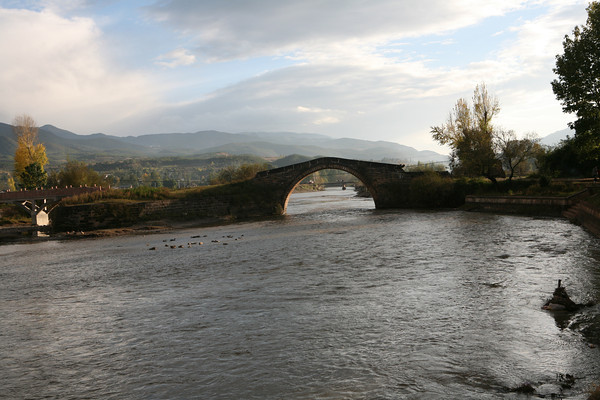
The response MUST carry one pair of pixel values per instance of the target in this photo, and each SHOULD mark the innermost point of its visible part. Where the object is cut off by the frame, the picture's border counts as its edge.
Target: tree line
(478, 148)
(31, 160)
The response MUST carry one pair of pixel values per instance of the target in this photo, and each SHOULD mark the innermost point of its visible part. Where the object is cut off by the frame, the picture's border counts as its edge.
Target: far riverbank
(582, 209)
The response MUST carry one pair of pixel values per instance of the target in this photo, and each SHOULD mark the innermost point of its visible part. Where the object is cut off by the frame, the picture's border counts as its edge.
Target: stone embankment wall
(588, 216)
(118, 214)
(576, 208)
(547, 206)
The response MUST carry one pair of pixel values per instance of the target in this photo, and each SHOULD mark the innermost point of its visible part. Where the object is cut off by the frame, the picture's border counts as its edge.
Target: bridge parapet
(52, 193)
(42, 201)
(334, 162)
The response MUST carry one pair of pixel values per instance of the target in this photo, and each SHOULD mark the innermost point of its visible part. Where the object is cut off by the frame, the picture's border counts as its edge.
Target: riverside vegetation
(430, 190)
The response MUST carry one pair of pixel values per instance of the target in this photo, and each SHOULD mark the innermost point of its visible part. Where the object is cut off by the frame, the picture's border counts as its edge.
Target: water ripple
(334, 301)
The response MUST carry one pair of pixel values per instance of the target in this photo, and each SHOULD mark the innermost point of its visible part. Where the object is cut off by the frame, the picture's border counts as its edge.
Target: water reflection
(342, 302)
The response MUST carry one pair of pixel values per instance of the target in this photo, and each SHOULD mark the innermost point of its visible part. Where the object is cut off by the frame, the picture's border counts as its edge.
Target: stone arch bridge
(387, 183)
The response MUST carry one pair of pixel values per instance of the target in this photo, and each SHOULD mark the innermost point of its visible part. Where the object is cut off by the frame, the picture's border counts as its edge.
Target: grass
(241, 193)
(11, 214)
(137, 194)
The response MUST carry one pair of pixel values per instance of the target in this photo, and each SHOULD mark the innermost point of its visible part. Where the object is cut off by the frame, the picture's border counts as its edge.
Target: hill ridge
(62, 144)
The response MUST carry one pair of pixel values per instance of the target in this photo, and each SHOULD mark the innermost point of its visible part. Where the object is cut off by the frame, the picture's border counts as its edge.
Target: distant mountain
(62, 145)
(289, 160)
(282, 144)
(61, 133)
(186, 143)
(554, 138)
(286, 137)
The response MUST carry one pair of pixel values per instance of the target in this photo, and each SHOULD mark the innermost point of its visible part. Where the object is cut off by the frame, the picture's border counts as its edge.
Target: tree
(516, 152)
(578, 86)
(470, 134)
(77, 173)
(426, 167)
(234, 174)
(33, 176)
(562, 160)
(11, 183)
(28, 151)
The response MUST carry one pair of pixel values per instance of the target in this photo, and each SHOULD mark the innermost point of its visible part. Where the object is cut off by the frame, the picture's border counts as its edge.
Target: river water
(334, 301)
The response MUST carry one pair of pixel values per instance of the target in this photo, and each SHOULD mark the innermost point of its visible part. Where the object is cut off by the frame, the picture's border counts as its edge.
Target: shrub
(238, 174)
(148, 193)
(432, 190)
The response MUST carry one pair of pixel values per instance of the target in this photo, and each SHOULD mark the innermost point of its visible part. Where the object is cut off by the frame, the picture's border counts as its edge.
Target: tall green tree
(577, 87)
(470, 134)
(33, 176)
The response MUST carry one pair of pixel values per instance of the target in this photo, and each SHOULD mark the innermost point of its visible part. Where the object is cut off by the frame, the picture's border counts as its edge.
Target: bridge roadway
(42, 201)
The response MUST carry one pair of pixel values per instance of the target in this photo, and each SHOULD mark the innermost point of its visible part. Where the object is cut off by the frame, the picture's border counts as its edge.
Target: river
(336, 300)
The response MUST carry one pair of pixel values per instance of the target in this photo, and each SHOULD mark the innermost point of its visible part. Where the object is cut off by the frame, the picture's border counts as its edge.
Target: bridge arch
(301, 175)
(383, 181)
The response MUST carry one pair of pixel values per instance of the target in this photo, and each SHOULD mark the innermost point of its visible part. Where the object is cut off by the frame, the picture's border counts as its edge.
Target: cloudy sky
(375, 70)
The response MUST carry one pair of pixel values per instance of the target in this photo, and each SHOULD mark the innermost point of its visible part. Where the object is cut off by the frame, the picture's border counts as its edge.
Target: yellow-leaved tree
(30, 155)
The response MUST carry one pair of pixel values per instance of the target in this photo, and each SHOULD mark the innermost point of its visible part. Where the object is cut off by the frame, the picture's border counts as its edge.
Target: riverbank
(587, 214)
(582, 208)
(527, 205)
(29, 233)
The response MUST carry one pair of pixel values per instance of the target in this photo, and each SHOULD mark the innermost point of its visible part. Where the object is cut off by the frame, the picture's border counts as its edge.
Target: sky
(375, 70)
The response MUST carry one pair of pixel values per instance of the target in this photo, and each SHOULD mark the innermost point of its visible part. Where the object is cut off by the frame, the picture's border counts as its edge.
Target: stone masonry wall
(115, 214)
(387, 183)
(589, 217)
(550, 206)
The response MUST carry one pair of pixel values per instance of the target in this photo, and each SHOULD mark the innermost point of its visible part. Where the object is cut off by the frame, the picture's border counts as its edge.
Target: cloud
(323, 116)
(57, 70)
(176, 58)
(540, 39)
(357, 91)
(340, 100)
(242, 29)
(339, 68)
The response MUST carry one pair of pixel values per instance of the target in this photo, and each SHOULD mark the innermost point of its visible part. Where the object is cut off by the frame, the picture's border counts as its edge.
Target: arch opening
(307, 173)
